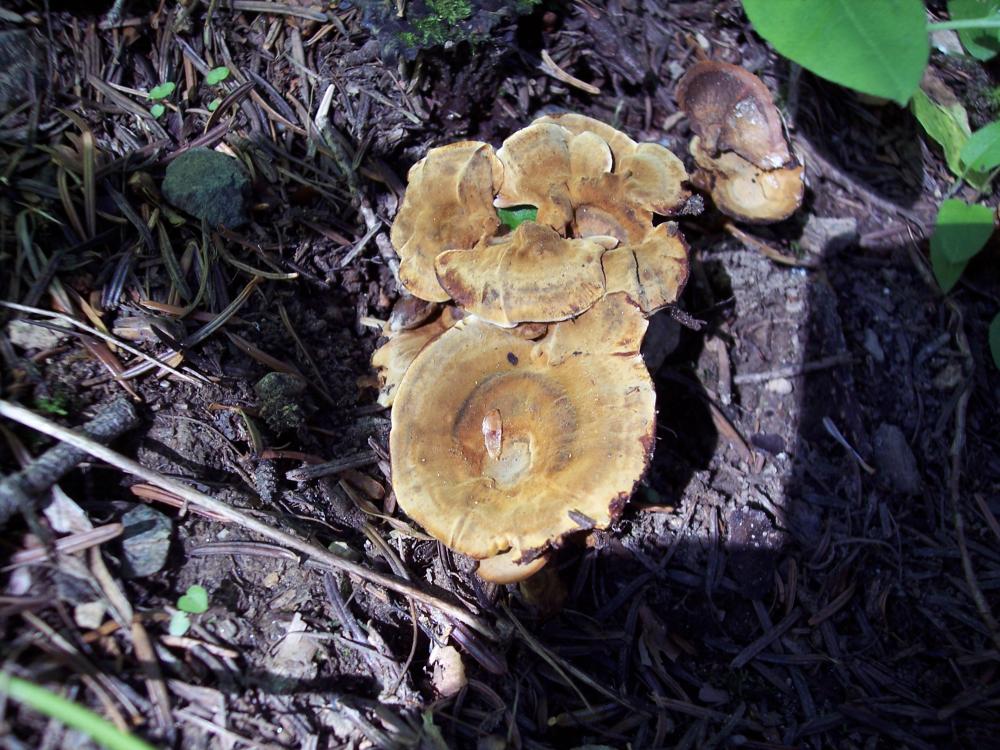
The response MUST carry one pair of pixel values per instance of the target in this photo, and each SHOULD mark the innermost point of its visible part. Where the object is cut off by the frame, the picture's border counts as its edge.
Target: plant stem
(965, 23)
(71, 714)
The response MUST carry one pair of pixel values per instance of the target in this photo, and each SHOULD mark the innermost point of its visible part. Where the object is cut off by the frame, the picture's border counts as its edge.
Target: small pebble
(145, 541)
(781, 386)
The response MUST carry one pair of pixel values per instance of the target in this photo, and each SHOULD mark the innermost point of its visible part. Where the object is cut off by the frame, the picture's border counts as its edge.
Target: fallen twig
(82, 442)
(17, 490)
(792, 371)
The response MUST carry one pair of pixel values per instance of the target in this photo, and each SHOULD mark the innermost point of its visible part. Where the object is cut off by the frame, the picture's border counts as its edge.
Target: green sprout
(194, 602)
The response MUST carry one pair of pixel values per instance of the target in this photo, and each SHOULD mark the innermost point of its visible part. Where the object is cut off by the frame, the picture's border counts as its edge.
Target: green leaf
(982, 44)
(948, 126)
(514, 216)
(79, 717)
(982, 151)
(994, 337)
(157, 110)
(879, 48)
(214, 104)
(194, 601)
(217, 75)
(960, 233)
(179, 624)
(162, 91)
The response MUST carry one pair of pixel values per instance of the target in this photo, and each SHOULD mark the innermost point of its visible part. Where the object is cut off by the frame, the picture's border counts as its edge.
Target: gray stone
(897, 466)
(210, 186)
(24, 335)
(145, 542)
(826, 235)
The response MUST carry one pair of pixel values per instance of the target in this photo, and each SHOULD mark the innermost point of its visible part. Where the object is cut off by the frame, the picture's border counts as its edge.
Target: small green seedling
(217, 75)
(513, 217)
(961, 231)
(194, 602)
(214, 104)
(158, 93)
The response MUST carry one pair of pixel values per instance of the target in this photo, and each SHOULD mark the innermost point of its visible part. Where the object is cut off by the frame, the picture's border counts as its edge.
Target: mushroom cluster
(522, 410)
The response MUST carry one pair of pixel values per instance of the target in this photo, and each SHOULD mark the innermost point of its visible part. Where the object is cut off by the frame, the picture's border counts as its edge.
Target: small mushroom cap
(576, 429)
(532, 274)
(744, 191)
(506, 567)
(653, 175)
(448, 204)
(732, 110)
(395, 356)
(653, 272)
(536, 169)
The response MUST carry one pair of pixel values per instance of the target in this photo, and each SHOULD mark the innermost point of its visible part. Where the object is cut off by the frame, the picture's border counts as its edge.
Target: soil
(811, 561)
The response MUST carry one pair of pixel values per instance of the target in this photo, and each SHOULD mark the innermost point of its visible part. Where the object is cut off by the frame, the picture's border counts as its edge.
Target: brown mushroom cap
(448, 205)
(537, 167)
(744, 191)
(507, 568)
(394, 357)
(575, 425)
(731, 109)
(653, 272)
(532, 274)
(653, 177)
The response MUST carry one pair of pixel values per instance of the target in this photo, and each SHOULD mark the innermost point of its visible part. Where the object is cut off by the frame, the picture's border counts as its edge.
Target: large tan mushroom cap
(503, 444)
(653, 272)
(394, 357)
(744, 191)
(653, 177)
(732, 110)
(448, 205)
(532, 274)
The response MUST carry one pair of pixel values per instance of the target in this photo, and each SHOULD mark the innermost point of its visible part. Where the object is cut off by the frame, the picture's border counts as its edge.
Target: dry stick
(17, 490)
(30, 419)
(792, 371)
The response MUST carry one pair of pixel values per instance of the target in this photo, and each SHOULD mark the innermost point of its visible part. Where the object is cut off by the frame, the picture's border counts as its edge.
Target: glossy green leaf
(217, 75)
(162, 91)
(516, 215)
(879, 48)
(960, 233)
(157, 110)
(995, 340)
(982, 150)
(982, 44)
(194, 601)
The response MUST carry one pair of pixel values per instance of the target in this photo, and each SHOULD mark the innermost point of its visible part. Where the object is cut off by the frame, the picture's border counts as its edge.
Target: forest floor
(813, 559)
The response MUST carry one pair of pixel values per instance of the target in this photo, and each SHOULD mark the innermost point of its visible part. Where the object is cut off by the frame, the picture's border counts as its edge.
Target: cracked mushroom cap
(652, 272)
(532, 274)
(503, 445)
(731, 109)
(746, 192)
(448, 204)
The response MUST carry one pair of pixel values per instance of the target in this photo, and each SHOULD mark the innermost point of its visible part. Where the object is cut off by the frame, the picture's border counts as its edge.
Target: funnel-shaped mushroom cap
(744, 191)
(653, 177)
(499, 443)
(448, 205)
(532, 274)
(395, 356)
(653, 272)
(732, 110)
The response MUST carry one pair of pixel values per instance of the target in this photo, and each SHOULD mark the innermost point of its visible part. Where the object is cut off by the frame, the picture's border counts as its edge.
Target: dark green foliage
(437, 23)
(280, 401)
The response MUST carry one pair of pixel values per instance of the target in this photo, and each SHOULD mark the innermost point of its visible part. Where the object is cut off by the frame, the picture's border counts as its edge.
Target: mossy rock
(210, 186)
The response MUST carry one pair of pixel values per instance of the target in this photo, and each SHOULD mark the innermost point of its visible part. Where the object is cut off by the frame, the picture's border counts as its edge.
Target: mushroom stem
(493, 433)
